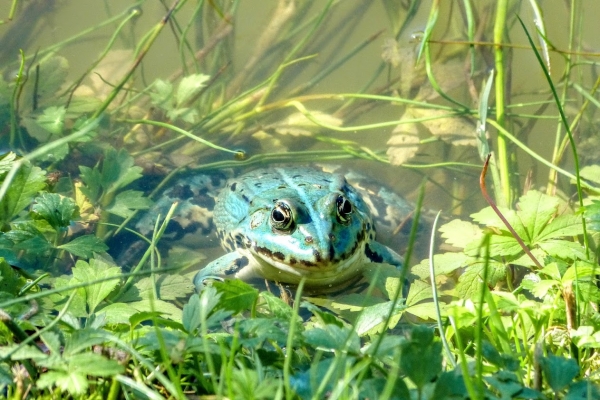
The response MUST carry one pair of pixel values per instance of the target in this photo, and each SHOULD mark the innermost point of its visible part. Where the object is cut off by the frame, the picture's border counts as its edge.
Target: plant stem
(504, 197)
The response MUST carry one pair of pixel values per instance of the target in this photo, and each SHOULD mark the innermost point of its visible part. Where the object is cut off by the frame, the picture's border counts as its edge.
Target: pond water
(267, 62)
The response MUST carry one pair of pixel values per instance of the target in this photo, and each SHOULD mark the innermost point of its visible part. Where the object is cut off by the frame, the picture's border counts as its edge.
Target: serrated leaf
(85, 246)
(94, 364)
(536, 210)
(117, 313)
(459, 233)
(592, 215)
(419, 291)
(559, 371)
(161, 93)
(171, 287)
(72, 383)
(421, 358)
(95, 270)
(10, 281)
(591, 173)
(52, 120)
(166, 309)
(58, 210)
(6, 163)
(118, 170)
(92, 182)
(189, 87)
(469, 283)
(27, 182)
(52, 342)
(444, 264)
(127, 202)
(191, 317)
(372, 319)
(563, 225)
(80, 340)
(236, 295)
(332, 338)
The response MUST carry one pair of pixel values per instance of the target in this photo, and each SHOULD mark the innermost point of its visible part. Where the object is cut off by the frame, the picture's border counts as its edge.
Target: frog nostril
(317, 255)
(308, 239)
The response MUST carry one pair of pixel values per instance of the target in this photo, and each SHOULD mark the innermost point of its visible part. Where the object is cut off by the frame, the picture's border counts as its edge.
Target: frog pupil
(344, 208)
(281, 217)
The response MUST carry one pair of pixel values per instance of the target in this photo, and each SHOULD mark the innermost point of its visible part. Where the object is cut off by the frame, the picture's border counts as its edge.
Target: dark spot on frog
(317, 255)
(258, 184)
(279, 255)
(233, 186)
(293, 261)
(297, 176)
(246, 199)
(282, 187)
(307, 263)
(371, 255)
(181, 192)
(368, 226)
(237, 265)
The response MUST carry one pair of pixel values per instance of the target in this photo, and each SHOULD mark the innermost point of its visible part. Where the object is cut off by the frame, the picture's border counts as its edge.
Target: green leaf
(126, 202)
(469, 283)
(591, 173)
(592, 215)
(191, 314)
(58, 210)
(172, 287)
(53, 120)
(444, 264)
(117, 313)
(459, 233)
(419, 291)
(27, 182)
(95, 270)
(160, 94)
(236, 295)
(332, 338)
(80, 340)
(421, 358)
(118, 170)
(85, 246)
(559, 371)
(91, 179)
(10, 281)
(94, 364)
(372, 319)
(536, 210)
(583, 390)
(6, 162)
(189, 87)
(72, 383)
(450, 385)
(168, 310)
(52, 342)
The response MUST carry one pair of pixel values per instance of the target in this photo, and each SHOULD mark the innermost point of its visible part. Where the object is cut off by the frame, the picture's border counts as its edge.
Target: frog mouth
(325, 273)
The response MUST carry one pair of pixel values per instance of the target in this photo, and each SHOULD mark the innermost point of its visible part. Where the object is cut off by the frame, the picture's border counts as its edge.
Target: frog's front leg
(231, 265)
(378, 253)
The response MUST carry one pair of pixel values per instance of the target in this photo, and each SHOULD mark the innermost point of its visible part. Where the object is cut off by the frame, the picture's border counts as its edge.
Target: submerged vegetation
(506, 307)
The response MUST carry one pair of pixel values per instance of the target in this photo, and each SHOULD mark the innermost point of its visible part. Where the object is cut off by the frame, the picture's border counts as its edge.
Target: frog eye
(344, 208)
(281, 217)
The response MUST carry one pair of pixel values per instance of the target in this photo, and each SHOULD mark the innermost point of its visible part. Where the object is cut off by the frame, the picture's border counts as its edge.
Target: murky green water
(241, 45)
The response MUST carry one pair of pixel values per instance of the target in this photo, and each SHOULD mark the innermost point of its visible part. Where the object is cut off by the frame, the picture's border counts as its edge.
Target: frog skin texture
(287, 223)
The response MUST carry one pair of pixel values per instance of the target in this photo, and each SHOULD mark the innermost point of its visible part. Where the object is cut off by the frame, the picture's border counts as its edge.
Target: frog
(296, 223)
